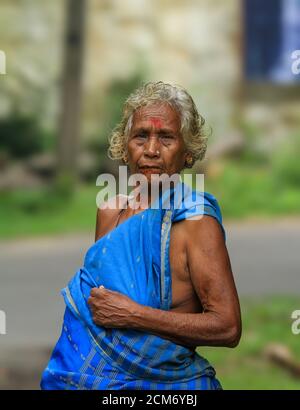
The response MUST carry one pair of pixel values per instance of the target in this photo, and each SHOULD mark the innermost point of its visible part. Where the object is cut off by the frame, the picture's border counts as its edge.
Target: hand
(110, 308)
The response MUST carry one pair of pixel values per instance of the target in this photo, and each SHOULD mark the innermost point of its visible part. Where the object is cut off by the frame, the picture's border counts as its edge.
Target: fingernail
(101, 287)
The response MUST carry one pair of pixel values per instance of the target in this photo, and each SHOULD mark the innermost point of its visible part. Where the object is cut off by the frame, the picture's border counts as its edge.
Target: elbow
(233, 335)
(233, 341)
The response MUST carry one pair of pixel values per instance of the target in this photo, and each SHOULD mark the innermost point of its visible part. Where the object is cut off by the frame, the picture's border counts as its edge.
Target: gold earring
(189, 162)
(125, 159)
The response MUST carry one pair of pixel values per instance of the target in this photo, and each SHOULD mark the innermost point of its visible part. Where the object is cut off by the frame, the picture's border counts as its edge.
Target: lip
(150, 167)
(150, 170)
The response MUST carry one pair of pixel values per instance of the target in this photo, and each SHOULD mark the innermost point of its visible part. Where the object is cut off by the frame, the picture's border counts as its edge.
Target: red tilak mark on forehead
(156, 122)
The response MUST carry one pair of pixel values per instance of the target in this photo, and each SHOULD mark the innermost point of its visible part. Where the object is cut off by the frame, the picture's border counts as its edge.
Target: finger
(91, 300)
(94, 292)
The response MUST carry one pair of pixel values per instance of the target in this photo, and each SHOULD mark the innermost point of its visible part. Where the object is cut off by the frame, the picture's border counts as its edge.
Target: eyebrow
(162, 131)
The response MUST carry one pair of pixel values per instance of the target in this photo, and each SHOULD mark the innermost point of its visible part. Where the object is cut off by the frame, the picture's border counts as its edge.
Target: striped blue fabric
(132, 259)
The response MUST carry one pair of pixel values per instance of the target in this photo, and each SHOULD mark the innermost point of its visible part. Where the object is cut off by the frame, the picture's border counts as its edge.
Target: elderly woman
(155, 284)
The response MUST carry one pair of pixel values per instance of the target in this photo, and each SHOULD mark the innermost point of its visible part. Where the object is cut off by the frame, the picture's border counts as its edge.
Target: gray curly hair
(192, 123)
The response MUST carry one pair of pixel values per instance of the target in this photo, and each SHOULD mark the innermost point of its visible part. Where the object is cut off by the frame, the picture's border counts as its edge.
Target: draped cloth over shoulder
(132, 259)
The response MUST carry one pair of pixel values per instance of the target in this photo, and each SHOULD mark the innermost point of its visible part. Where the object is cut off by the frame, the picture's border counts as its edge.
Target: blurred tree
(115, 96)
(21, 135)
(69, 125)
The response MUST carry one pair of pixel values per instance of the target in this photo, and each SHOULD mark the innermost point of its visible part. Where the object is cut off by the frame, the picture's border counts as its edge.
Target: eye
(167, 138)
(141, 136)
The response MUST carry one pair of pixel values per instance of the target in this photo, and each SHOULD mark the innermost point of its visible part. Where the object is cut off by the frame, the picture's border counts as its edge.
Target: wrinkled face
(155, 144)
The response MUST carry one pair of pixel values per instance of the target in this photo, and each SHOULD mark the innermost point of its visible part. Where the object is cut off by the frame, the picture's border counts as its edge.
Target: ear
(188, 160)
(188, 156)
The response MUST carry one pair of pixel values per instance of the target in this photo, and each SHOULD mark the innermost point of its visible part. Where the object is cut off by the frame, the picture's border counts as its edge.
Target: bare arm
(211, 275)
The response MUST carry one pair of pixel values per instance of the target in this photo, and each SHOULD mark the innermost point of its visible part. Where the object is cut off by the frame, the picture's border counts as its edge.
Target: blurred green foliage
(259, 183)
(286, 162)
(22, 136)
(25, 213)
(243, 191)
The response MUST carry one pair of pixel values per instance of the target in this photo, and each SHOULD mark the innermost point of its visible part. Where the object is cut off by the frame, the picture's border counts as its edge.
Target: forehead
(158, 115)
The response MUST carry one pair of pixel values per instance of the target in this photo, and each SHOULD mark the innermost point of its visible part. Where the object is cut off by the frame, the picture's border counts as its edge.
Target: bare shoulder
(107, 213)
(113, 203)
(207, 254)
(112, 206)
(205, 231)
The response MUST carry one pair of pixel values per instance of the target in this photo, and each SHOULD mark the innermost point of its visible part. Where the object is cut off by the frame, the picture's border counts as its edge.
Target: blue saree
(132, 259)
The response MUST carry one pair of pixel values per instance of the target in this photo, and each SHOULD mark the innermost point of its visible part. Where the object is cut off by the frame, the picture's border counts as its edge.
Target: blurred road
(265, 259)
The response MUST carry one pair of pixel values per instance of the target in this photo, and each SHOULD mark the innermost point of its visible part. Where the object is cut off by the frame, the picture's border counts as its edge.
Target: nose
(152, 147)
